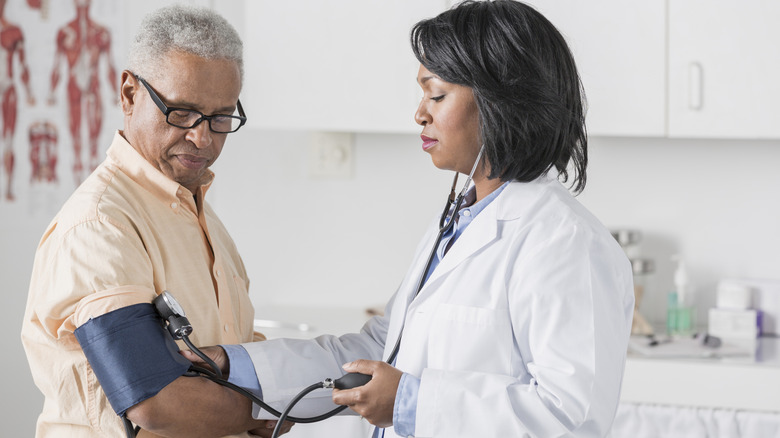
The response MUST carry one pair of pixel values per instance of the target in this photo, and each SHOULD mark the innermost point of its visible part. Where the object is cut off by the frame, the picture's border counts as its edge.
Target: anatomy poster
(60, 62)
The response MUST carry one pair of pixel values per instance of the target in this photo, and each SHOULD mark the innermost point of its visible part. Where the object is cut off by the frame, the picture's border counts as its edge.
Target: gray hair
(188, 29)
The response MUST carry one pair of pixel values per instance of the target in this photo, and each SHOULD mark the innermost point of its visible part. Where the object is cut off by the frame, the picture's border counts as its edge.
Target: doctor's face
(450, 119)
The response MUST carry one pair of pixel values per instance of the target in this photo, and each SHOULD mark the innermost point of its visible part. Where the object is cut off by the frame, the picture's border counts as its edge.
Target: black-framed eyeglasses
(187, 118)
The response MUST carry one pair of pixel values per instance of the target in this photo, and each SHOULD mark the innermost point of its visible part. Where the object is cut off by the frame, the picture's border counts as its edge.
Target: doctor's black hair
(525, 83)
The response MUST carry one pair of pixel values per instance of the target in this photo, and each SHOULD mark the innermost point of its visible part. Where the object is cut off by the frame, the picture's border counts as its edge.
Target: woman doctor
(522, 323)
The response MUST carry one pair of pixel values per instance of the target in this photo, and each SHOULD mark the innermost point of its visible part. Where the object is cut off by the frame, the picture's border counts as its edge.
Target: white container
(766, 298)
(733, 324)
(733, 295)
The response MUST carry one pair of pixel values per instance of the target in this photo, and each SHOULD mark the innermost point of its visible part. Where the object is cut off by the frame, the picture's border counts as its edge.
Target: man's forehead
(180, 67)
(208, 86)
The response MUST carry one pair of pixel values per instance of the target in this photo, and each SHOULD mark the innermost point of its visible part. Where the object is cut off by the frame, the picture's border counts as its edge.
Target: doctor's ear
(128, 89)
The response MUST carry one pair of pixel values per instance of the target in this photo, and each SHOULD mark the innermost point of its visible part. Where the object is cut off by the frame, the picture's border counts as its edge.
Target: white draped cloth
(655, 421)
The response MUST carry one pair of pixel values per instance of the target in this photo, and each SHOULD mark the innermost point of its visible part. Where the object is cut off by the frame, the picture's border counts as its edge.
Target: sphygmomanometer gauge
(172, 304)
(170, 310)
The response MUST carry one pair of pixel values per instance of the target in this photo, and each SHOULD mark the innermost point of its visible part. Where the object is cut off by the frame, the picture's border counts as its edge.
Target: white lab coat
(521, 330)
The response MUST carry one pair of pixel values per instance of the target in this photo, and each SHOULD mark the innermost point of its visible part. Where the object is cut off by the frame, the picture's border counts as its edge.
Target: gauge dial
(173, 304)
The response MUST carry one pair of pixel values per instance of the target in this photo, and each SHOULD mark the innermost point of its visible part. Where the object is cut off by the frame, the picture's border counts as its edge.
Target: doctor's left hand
(374, 401)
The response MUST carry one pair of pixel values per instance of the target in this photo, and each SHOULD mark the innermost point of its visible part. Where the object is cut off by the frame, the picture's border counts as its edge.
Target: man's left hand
(215, 353)
(268, 430)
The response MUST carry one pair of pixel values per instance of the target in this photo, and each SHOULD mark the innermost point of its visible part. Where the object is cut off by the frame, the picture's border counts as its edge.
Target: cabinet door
(333, 66)
(619, 47)
(724, 66)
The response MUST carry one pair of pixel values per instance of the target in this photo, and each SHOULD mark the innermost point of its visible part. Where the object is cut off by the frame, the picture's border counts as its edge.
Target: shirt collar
(130, 162)
(475, 208)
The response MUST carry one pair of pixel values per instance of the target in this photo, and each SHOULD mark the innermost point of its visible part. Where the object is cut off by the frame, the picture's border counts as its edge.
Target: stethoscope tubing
(446, 222)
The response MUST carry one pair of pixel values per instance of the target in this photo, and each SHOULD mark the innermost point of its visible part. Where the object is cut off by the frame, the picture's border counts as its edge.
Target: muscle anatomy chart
(80, 45)
(11, 49)
(43, 152)
(59, 96)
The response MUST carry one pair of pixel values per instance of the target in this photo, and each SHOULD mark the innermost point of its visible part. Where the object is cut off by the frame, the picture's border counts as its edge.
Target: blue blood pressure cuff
(132, 354)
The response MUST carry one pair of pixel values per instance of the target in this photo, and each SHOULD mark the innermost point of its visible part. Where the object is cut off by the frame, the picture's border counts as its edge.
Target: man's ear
(127, 91)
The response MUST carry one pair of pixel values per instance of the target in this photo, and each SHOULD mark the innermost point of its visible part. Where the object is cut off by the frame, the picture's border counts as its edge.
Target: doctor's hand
(216, 353)
(374, 401)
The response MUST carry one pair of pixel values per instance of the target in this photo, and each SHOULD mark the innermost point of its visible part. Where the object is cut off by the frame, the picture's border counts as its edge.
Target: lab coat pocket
(470, 338)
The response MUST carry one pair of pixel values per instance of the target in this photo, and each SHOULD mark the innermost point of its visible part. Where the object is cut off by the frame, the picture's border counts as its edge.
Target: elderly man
(139, 225)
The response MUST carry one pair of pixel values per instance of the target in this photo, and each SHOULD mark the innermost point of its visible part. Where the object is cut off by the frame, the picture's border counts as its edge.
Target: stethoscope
(180, 328)
(352, 380)
(446, 222)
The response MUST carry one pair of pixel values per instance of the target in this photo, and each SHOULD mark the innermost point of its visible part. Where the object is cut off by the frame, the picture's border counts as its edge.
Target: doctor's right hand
(215, 353)
(375, 400)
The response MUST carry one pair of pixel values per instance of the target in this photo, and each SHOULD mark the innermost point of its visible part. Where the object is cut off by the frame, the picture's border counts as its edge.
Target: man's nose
(200, 134)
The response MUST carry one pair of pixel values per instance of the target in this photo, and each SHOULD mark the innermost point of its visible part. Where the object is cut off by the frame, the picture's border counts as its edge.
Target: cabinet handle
(695, 86)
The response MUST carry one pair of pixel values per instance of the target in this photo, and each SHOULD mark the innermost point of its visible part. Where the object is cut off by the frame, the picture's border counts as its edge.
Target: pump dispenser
(679, 317)
(680, 281)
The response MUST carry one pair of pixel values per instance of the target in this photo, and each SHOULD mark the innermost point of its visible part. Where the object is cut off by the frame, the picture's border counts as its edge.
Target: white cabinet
(676, 68)
(724, 66)
(348, 65)
(680, 68)
(333, 66)
(619, 47)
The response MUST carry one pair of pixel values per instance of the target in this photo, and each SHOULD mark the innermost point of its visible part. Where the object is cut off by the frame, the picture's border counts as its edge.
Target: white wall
(715, 202)
(333, 242)
(327, 243)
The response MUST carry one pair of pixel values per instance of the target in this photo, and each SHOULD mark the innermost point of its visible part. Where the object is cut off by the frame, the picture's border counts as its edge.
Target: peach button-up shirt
(125, 235)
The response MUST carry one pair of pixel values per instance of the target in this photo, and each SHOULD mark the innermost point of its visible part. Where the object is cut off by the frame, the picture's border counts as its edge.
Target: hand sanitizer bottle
(680, 313)
(671, 313)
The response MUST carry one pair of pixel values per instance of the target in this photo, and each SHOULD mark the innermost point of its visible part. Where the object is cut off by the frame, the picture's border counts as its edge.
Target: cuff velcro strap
(131, 353)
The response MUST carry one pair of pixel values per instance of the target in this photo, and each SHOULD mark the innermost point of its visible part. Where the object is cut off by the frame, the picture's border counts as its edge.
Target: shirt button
(174, 205)
(466, 213)
(218, 273)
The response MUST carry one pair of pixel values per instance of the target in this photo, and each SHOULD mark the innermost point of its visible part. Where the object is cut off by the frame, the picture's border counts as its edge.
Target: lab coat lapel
(482, 230)
(415, 273)
(407, 289)
(511, 204)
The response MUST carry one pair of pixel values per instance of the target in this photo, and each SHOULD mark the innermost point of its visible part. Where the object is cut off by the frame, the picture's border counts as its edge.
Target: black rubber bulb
(351, 380)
